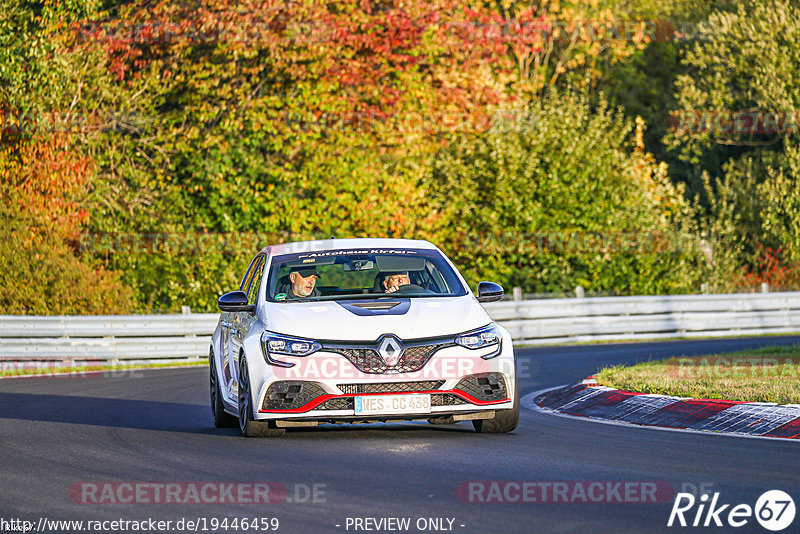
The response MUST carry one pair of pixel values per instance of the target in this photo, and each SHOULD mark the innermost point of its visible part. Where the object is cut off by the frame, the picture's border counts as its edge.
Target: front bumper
(323, 386)
(313, 400)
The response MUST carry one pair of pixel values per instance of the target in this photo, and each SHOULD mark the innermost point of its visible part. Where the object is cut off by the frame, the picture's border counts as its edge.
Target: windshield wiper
(376, 296)
(363, 296)
(368, 296)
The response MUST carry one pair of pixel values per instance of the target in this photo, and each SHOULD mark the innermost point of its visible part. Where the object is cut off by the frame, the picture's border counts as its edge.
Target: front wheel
(504, 421)
(221, 418)
(247, 425)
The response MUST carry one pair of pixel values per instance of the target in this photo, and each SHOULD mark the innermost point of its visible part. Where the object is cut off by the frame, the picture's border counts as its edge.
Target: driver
(394, 281)
(302, 284)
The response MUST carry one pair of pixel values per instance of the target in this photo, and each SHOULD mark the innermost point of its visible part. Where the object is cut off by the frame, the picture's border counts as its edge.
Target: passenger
(302, 284)
(393, 282)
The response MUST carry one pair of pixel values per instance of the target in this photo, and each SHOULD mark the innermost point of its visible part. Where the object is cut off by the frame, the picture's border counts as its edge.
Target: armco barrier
(648, 317)
(108, 337)
(531, 322)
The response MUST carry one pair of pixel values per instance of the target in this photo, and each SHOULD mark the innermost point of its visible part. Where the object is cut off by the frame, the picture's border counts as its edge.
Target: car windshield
(368, 273)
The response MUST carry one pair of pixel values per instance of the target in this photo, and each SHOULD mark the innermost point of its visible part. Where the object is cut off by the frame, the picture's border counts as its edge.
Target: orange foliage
(774, 269)
(43, 178)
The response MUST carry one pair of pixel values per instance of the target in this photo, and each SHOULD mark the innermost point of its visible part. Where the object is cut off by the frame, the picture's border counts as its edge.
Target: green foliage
(42, 276)
(43, 178)
(781, 197)
(529, 195)
(269, 130)
(746, 59)
(211, 119)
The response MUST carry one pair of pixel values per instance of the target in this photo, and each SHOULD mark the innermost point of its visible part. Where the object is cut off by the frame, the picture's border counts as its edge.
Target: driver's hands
(395, 282)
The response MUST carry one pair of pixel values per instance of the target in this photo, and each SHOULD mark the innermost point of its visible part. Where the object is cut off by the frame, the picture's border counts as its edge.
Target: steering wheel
(410, 289)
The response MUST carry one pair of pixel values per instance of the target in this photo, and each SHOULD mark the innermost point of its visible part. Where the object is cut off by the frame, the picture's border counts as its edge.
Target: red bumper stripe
(322, 398)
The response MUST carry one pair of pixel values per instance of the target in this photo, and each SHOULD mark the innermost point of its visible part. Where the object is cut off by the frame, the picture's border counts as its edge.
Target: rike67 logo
(774, 510)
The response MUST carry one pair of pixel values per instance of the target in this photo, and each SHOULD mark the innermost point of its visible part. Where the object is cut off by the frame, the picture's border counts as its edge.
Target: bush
(526, 202)
(41, 275)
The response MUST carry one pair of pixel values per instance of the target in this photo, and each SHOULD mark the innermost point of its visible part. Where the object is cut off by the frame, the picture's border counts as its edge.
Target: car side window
(255, 282)
(248, 276)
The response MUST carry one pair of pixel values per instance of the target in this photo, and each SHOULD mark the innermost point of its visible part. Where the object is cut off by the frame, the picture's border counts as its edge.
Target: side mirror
(235, 301)
(489, 292)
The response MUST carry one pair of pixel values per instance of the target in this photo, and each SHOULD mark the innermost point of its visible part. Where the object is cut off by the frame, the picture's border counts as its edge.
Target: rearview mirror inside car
(358, 265)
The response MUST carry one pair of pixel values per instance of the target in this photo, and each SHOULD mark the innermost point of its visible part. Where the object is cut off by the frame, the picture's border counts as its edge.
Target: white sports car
(359, 331)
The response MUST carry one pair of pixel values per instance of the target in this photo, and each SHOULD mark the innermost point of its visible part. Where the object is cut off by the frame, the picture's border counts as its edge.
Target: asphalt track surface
(154, 426)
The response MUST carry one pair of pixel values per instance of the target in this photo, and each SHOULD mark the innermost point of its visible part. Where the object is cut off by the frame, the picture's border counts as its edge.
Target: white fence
(531, 322)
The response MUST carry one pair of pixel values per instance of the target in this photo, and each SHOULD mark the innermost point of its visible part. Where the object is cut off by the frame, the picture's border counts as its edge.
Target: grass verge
(18, 369)
(768, 374)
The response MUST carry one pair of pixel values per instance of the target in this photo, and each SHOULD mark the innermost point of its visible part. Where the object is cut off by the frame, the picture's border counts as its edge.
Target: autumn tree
(42, 177)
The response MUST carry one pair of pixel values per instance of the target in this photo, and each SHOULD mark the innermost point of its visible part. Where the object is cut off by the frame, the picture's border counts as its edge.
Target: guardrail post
(517, 293)
(579, 292)
(186, 310)
(764, 287)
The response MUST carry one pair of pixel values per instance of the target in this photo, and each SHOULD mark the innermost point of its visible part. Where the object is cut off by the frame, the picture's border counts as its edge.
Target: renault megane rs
(359, 331)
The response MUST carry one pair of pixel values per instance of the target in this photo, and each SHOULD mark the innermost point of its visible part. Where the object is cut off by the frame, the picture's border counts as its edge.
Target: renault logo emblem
(390, 350)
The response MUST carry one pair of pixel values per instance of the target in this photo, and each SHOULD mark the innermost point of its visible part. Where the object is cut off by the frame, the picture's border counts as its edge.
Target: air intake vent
(485, 386)
(391, 387)
(375, 306)
(290, 395)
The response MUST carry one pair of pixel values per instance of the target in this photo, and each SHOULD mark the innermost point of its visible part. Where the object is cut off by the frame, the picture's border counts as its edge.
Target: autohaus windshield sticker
(355, 251)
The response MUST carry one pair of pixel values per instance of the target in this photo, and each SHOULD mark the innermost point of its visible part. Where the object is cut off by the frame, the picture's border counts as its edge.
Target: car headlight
(480, 338)
(276, 344)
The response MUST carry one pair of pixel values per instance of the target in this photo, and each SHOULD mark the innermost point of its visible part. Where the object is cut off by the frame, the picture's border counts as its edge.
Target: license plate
(393, 404)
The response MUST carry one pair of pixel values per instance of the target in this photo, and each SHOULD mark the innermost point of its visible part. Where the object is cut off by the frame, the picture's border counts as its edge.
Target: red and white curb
(590, 400)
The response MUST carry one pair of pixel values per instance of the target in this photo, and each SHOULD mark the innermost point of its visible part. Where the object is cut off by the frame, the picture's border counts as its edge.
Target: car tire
(247, 425)
(221, 418)
(503, 421)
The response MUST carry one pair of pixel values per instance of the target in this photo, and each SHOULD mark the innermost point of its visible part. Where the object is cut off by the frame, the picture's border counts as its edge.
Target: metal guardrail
(106, 337)
(552, 321)
(531, 322)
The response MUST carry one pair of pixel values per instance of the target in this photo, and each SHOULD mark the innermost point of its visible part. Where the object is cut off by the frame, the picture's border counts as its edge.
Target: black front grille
(290, 395)
(342, 403)
(391, 387)
(367, 360)
(446, 399)
(414, 358)
(485, 387)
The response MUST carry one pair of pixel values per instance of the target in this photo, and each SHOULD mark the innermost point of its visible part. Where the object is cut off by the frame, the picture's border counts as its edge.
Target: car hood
(368, 319)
